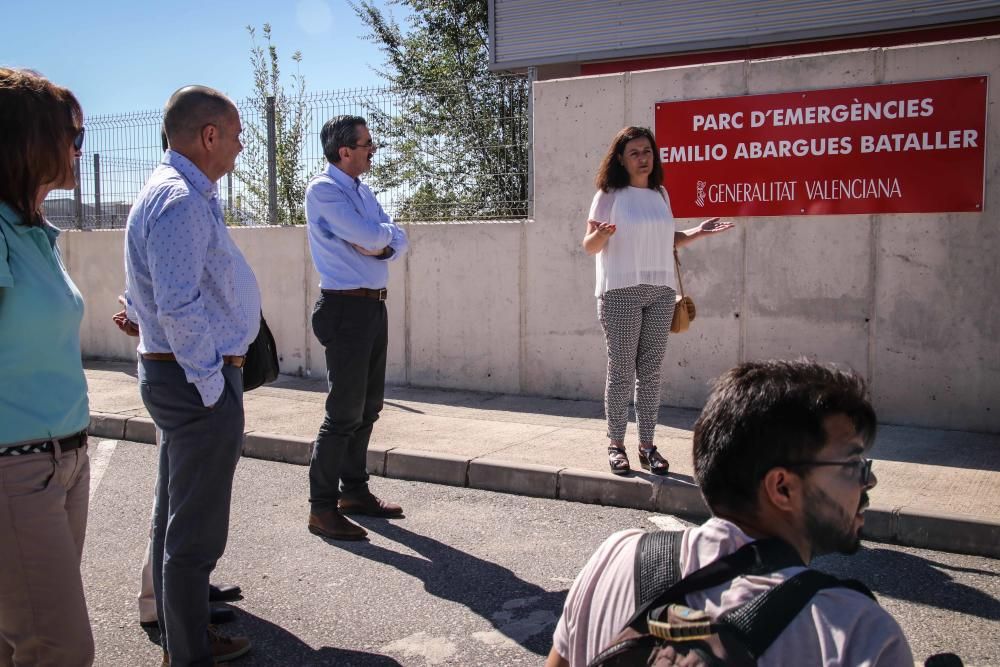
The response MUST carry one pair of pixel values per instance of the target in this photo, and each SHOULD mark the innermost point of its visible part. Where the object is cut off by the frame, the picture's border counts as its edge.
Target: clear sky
(129, 55)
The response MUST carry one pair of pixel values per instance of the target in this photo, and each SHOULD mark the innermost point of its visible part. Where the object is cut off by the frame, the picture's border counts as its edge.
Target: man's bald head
(190, 109)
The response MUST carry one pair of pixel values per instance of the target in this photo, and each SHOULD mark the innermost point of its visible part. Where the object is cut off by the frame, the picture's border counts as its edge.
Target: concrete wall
(908, 300)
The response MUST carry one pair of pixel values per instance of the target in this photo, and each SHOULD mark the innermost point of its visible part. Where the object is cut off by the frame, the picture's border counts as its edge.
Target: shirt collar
(13, 220)
(334, 172)
(191, 172)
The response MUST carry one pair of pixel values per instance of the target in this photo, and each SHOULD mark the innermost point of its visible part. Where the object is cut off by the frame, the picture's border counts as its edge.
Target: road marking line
(668, 522)
(99, 460)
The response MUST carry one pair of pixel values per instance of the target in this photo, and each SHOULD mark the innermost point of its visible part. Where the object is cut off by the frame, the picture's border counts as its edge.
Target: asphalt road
(467, 578)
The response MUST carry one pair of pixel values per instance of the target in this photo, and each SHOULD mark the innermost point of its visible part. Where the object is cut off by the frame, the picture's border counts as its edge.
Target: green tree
(291, 118)
(457, 141)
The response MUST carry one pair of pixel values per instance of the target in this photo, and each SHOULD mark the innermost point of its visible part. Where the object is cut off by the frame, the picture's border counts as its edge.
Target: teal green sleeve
(6, 278)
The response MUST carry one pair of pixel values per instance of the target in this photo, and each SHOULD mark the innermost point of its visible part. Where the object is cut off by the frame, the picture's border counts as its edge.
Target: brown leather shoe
(226, 648)
(223, 648)
(334, 525)
(369, 504)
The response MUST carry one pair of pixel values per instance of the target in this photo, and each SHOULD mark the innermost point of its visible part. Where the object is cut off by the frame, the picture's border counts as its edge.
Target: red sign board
(896, 148)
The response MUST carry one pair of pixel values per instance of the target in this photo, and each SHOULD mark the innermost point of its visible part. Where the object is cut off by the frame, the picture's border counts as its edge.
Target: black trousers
(354, 331)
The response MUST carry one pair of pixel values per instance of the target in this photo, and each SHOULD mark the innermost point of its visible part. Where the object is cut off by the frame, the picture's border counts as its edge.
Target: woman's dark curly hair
(612, 174)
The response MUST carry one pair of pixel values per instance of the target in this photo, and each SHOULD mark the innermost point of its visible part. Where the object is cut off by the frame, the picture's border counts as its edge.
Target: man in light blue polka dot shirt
(187, 286)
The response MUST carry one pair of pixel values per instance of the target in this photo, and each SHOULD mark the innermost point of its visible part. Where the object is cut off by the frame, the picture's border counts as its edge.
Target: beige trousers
(146, 597)
(43, 520)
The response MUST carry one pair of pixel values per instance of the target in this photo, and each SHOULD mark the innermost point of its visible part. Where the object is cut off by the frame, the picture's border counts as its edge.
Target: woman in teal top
(44, 469)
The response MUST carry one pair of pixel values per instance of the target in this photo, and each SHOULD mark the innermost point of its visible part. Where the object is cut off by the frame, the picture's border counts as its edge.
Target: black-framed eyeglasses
(862, 466)
(78, 140)
(371, 145)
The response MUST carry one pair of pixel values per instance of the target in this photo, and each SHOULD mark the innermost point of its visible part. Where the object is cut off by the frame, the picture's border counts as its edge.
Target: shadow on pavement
(521, 611)
(273, 646)
(909, 577)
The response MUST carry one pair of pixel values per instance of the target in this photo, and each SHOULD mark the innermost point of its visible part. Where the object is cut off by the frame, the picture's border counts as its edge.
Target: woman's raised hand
(713, 225)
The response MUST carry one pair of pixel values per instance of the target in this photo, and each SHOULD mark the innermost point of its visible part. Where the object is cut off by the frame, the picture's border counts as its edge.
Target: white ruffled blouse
(641, 251)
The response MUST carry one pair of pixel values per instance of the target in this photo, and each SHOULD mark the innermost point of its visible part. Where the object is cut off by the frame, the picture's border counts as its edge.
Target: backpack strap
(657, 564)
(761, 620)
(759, 557)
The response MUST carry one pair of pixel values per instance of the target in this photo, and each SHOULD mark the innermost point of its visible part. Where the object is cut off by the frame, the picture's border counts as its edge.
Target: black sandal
(618, 460)
(651, 460)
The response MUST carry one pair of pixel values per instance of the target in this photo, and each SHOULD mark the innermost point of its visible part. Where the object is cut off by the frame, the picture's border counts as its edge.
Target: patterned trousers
(636, 322)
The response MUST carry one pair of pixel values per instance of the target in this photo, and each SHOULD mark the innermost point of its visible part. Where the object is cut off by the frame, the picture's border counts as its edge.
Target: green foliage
(291, 117)
(457, 141)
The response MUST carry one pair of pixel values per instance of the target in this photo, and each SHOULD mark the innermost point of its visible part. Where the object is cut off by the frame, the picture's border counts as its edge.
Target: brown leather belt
(379, 294)
(229, 359)
(66, 444)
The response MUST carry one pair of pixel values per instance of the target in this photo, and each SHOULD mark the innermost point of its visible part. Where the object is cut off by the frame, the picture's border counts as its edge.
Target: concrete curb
(105, 425)
(598, 488)
(284, 448)
(422, 466)
(904, 526)
(524, 479)
(140, 429)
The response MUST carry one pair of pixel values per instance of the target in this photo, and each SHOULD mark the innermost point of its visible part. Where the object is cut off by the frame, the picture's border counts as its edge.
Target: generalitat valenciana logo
(700, 194)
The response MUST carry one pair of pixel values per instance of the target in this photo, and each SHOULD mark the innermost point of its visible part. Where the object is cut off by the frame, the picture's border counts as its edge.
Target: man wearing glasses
(351, 240)
(778, 453)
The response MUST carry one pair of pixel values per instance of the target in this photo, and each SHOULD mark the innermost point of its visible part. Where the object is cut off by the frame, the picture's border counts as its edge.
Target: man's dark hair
(190, 109)
(340, 132)
(612, 175)
(763, 414)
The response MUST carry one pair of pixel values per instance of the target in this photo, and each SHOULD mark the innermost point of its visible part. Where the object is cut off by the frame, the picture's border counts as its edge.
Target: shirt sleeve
(666, 199)
(177, 251)
(399, 243)
(600, 207)
(878, 641)
(6, 277)
(335, 215)
(613, 562)
(841, 627)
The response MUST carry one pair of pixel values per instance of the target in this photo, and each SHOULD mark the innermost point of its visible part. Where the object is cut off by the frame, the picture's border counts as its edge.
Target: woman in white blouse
(631, 230)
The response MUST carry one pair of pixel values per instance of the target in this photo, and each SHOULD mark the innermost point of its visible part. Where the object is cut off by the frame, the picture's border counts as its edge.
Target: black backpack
(663, 631)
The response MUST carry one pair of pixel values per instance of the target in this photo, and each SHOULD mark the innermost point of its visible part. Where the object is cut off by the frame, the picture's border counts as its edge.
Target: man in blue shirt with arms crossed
(351, 239)
(198, 309)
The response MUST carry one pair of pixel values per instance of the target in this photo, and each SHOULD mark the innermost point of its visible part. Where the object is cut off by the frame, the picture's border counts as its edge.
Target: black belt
(66, 444)
(379, 294)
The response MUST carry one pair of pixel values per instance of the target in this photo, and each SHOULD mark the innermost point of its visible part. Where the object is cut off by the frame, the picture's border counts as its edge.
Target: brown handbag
(684, 310)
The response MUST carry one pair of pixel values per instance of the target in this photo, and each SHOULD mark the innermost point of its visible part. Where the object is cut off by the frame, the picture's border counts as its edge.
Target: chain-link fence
(447, 153)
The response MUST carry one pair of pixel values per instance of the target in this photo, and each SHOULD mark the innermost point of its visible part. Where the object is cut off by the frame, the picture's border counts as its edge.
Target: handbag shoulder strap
(677, 261)
(677, 272)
